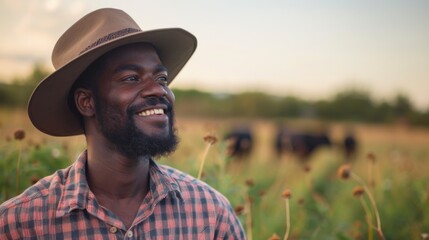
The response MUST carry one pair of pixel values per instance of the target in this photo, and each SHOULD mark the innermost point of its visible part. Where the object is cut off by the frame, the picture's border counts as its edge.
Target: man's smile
(156, 114)
(150, 112)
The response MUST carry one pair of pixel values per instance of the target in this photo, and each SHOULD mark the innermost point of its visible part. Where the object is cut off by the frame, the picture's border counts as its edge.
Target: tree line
(350, 104)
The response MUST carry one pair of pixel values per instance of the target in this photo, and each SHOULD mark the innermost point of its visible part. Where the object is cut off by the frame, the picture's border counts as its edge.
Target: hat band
(110, 37)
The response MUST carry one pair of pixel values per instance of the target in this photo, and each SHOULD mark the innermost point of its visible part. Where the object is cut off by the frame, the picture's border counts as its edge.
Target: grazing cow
(302, 144)
(349, 146)
(239, 142)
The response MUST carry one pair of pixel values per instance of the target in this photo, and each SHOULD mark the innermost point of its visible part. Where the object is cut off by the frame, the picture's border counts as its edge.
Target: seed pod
(358, 191)
(287, 194)
(19, 135)
(344, 171)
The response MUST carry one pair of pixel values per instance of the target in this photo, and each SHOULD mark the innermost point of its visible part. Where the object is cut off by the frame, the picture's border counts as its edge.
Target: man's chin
(158, 130)
(157, 134)
(153, 144)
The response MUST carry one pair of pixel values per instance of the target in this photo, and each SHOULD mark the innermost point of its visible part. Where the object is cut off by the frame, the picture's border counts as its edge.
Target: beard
(127, 138)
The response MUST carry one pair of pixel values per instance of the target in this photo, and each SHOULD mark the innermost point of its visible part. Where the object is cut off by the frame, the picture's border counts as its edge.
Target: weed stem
(287, 219)
(368, 217)
(248, 217)
(17, 169)
(371, 199)
(206, 150)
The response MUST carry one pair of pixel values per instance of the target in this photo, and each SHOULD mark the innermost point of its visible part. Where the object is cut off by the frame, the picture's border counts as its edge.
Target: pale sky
(308, 48)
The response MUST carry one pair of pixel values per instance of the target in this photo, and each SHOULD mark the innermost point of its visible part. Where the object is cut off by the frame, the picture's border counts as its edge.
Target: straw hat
(88, 39)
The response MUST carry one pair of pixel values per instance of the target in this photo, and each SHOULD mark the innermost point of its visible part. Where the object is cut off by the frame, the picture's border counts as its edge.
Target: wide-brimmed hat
(88, 39)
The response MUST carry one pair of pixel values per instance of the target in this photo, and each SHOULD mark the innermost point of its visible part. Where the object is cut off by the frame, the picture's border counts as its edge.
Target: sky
(307, 48)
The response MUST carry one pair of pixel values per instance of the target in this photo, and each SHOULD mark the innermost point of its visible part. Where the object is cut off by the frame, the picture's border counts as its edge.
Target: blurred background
(311, 55)
(297, 88)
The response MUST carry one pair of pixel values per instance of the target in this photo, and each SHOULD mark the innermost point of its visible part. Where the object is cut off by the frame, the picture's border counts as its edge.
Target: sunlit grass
(322, 206)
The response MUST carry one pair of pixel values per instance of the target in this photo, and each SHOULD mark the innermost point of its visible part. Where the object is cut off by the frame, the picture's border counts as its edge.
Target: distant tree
(193, 102)
(18, 93)
(6, 95)
(37, 74)
(349, 105)
(249, 104)
(420, 118)
(382, 112)
(291, 106)
(352, 104)
(402, 106)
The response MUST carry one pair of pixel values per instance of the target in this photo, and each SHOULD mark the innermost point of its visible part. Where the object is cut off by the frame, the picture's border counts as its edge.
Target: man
(111, 84)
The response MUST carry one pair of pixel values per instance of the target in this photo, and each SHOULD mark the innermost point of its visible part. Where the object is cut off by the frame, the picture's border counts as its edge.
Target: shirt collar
(76, 192)
(75, 189)
(162, 183)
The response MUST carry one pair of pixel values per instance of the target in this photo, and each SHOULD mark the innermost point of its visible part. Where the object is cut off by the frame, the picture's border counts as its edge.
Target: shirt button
(113, 230)
(129, 234)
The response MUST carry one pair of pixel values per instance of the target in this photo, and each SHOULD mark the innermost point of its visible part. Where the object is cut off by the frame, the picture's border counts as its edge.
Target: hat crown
(95, 28)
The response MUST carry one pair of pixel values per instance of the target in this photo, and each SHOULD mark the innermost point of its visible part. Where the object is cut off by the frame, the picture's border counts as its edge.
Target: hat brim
(48, 107)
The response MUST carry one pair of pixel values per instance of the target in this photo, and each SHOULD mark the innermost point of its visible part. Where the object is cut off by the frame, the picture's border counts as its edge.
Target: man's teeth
(156, 111)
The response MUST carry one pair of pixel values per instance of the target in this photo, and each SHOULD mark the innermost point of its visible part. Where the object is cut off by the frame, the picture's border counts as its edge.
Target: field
(392, 161)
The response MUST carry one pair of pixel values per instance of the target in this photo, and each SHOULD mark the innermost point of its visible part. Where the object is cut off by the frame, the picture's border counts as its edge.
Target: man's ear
(84, 101)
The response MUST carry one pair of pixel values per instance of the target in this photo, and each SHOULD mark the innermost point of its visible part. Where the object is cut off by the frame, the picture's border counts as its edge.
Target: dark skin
(130, 76)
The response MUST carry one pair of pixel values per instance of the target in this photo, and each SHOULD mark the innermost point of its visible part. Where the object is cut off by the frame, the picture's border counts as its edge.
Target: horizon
(310, 49)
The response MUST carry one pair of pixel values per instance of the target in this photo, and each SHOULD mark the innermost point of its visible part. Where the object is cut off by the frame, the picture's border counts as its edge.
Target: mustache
(150, 102)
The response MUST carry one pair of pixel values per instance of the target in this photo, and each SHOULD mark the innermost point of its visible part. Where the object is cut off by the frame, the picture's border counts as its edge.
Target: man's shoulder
(206, 200)
(36, 194)
(185, 179)
(178, 174)
(191, 186)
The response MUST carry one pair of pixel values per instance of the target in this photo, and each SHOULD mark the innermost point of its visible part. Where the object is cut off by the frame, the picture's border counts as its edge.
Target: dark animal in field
(301, 144)
(239, 142)
(349, 146)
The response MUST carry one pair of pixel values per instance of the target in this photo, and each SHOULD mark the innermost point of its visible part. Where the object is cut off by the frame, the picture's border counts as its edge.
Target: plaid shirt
(62, 206)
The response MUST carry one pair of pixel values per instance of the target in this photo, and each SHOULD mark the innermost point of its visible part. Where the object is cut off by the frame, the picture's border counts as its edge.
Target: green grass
(322, 205)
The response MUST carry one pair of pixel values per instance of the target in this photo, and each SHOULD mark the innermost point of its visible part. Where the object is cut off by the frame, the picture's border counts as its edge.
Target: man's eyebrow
(135, 67)
(126, 67)
(161, 68)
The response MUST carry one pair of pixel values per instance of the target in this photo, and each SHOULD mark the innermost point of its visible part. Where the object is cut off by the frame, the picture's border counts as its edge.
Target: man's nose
(153, 88)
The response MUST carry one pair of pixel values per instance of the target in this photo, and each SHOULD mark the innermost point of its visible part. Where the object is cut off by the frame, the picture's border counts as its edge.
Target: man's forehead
(131, 57)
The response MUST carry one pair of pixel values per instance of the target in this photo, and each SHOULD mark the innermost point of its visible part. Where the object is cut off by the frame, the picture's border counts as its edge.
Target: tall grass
(322, 206)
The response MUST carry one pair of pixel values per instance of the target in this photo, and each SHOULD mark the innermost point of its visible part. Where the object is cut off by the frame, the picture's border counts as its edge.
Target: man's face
(134, 106)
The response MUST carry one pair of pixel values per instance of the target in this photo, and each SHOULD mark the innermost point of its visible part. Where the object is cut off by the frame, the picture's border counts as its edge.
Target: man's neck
(119, 183)
(115, 176)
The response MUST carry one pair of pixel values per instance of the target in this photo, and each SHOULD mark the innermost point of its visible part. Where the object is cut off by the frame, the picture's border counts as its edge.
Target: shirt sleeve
(229, 226)
(9, 224)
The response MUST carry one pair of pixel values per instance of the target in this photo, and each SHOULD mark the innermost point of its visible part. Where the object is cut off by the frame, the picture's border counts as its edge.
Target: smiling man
(111, 84)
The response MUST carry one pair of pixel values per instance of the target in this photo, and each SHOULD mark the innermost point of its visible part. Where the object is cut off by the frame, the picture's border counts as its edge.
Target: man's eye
(131, 78)
(163, 81)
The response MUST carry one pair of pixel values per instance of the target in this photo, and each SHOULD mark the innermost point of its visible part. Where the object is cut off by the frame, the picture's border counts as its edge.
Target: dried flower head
(262, 193)
(274, 237)
(239, 209)
(301, 201)
(286, 194)
(249, 182)
(34, 179)
(371, 157)
(344, 171)
(35, 163)
(19, 135)
(307, 168)
(210, 139)
(358, 191)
